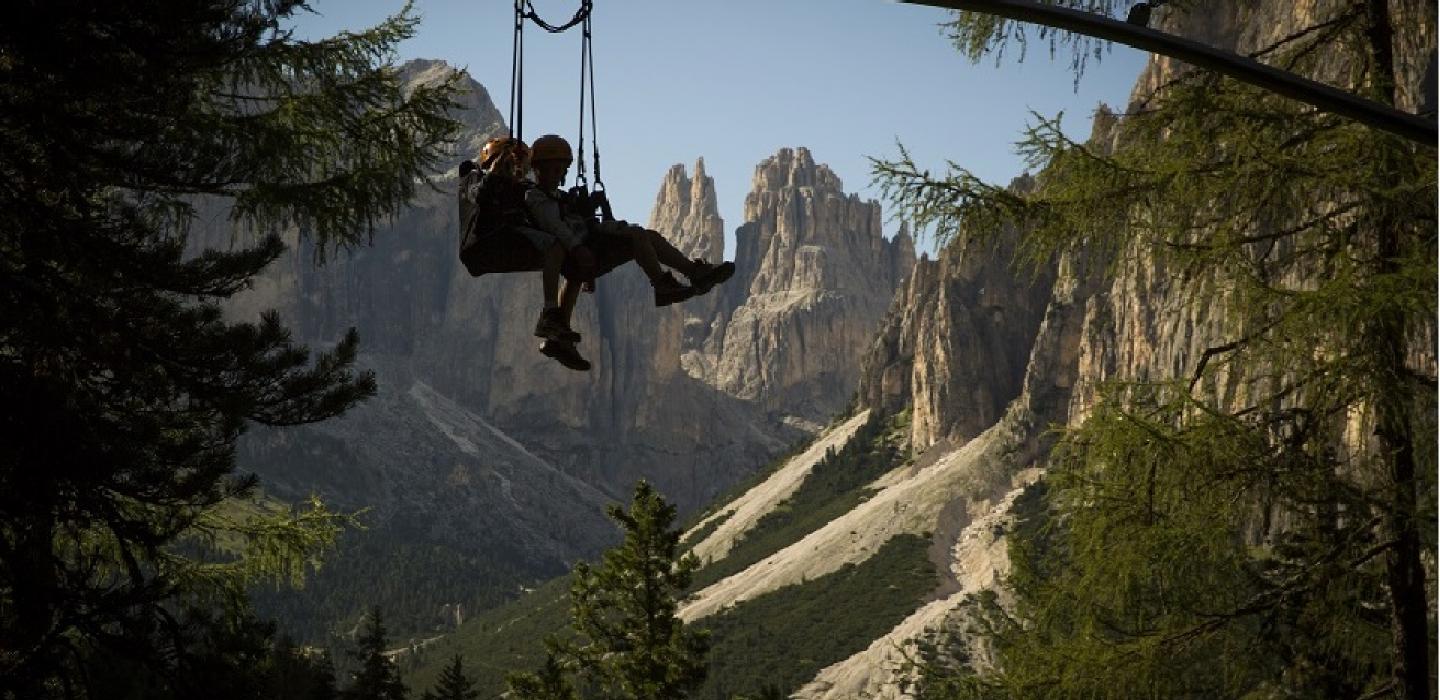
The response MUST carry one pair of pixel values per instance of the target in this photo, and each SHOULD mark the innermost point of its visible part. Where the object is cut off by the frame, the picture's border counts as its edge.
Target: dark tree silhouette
(125, 386)
(453, 684)
(377, 678)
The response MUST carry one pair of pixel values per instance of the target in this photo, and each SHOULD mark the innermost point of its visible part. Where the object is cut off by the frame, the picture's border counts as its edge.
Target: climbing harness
(525, 10)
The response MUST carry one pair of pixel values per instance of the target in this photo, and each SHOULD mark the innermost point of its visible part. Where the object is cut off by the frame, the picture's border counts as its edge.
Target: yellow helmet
(551, 147)
(503, 146)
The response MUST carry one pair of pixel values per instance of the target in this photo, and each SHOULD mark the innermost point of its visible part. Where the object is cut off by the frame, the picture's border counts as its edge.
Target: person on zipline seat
(557, 211)
(505, 162)
(550, 208)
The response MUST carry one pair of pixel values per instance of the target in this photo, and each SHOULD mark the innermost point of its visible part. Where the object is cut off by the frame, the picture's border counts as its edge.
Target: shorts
(542, 240)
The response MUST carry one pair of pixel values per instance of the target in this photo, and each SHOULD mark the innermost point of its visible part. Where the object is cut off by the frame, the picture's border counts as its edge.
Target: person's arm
(545, 211)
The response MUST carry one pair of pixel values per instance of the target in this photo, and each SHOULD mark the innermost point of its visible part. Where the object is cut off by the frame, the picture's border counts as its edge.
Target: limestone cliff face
(687, 212)
(955, 344)
(1141, 325)
(814, 278)
(940, 355)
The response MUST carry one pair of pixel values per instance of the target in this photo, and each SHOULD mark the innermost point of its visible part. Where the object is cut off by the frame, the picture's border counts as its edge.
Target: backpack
(489, 209)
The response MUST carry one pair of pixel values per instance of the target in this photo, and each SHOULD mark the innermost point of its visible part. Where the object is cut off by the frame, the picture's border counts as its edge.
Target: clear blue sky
(734, 81)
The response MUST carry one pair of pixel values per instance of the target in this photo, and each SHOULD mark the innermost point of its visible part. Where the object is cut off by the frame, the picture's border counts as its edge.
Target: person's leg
(643, 247)
(550, 274)
(551, 325)
(669, 255)
(668, 290)
(568, 297)
(564, 351)
(703, 276)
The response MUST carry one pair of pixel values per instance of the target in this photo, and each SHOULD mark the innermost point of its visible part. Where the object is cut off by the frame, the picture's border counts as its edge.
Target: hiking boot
(552, 326)
(566, 354)
(668, 290)
(707, 276)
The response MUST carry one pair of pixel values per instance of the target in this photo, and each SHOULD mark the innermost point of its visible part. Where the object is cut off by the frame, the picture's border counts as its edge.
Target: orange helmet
(551, 147)
(515, 149)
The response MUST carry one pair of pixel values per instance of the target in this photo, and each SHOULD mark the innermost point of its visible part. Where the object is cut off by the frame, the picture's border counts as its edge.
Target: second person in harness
(560, 214)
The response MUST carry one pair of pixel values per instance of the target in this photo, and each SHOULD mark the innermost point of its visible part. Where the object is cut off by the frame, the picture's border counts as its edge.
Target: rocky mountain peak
(686, 211)
(792, 168)
(814, 276)
(904, 243)
(426, 71)
(803, 232)
(479, 118)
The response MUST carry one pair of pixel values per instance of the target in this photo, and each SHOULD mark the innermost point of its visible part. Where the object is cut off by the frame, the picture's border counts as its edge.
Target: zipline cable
(580, 179)
(587, 75)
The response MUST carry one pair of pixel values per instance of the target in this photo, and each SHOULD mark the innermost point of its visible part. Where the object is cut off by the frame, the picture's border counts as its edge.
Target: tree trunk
(1404, 571)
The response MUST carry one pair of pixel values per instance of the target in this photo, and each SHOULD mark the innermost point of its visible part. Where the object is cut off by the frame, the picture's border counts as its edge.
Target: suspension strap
(525, 9)
(581, 15)
(586, 71)
(517, 72)
(589, 64)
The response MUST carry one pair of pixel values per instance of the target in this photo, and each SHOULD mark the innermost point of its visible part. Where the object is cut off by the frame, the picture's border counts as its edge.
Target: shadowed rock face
(956, 341)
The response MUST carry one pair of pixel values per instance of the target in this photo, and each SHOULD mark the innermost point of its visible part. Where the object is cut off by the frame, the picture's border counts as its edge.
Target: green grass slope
(496, 642)
(782, 639)
(834, 486)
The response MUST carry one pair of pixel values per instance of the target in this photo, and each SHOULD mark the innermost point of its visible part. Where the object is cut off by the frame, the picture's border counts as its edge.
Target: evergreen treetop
(377, 678)
(453, 684)
(626, 641)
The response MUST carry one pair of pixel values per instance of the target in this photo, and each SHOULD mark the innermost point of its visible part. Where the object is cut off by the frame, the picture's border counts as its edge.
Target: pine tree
(554, 680)
(627, 642)
(126, 388)
(377, 678)
(1312, 241)
(293, 673)
(453, 684)
(323, 687)
(230, 656)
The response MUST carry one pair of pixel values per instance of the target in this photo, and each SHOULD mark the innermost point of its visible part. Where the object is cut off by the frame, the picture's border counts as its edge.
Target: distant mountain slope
(448, 482)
